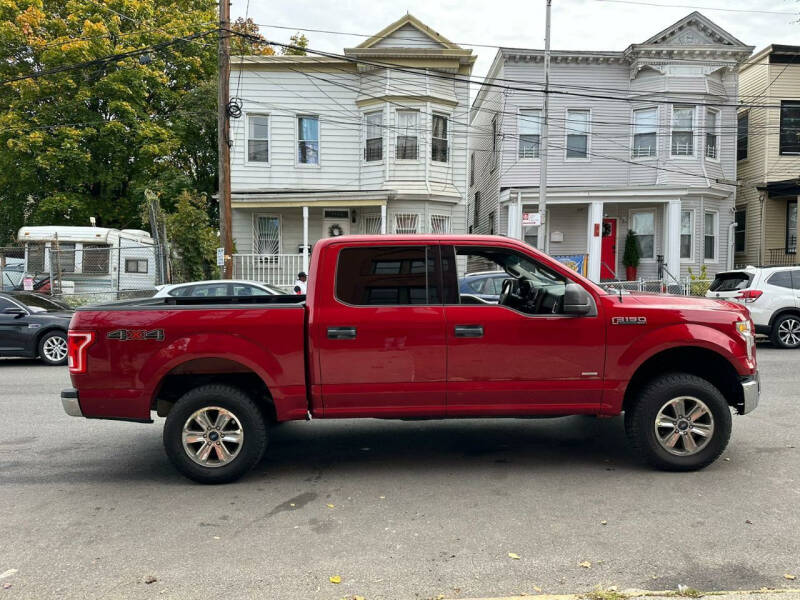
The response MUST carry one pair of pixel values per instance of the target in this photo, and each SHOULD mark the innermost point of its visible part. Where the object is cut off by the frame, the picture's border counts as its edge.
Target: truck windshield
(731, 282)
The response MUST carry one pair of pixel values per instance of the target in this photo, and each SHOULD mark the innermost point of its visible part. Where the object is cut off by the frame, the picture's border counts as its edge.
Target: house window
(388, 276)
(682, 131)
(406, 223)
(790, 127)
(136, 265)
(740, 232)
(439, 138)
(374, 146)
(791, 226)
(645, 126)
(643, 224)
(308, 140)
(472, 168)
(258, 138)
(712, 133)
(267, 235)
(491, 223)
(35, 259)
(476, 210)
(742, 127)
(440, 224)
(577, 133)
(530, 131)
(687, 234)
(407, 134)
(710, 236)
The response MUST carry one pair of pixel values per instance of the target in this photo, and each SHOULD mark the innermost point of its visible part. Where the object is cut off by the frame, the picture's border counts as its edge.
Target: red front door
(608, 256)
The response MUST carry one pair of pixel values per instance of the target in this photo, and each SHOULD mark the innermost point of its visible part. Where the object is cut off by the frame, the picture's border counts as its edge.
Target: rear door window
(730, 282)
(796, 279)
(388, 275)
(781, 279)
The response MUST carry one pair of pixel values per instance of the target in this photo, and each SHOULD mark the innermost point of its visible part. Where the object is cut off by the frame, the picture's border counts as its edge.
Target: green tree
(299, 40)
(81, 142)
(241, 45)
(193, 240)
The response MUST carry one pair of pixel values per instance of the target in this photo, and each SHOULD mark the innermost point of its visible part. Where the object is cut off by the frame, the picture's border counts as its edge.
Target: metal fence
(85, 274)
(684, 287)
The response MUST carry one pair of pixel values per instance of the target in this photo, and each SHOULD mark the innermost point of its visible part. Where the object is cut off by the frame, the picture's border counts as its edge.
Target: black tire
(245, 410)
(640, 420)
(788, 322)
(47, 346)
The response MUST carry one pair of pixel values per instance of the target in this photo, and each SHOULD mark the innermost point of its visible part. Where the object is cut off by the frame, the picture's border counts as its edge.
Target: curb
(634, 594)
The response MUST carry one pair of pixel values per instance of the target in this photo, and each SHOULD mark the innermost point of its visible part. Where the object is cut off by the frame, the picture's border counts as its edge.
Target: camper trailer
(91, 260)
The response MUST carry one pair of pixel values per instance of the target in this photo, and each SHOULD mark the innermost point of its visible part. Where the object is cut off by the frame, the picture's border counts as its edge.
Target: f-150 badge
(124, 335)
(629, 320)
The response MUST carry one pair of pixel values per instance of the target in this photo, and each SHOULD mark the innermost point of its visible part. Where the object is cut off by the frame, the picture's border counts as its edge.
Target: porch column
(672, 238)
(594, 240)
(512, 224)
(383, 219)
(305, 239)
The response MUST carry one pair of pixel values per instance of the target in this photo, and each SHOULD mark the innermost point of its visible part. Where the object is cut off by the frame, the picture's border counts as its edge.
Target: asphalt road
(396, 509)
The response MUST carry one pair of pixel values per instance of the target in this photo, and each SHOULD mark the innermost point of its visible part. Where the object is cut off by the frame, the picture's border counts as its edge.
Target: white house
(641, 139)
(374, 141)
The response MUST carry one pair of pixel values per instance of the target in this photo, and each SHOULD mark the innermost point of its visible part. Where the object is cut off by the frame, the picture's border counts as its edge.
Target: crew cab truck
(385, 332)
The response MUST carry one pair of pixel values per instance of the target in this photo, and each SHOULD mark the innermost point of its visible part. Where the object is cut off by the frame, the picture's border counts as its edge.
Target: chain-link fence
(684, 287)
(84, 273)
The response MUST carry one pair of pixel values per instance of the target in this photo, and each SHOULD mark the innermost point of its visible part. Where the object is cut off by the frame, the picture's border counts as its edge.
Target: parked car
(384, 333)
(772, 294)
(33, 325)
(486, 285)
(217, 287)
(12, 275)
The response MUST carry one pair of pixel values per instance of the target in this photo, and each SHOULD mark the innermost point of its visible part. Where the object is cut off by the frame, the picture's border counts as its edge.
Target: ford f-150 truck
(385, 332)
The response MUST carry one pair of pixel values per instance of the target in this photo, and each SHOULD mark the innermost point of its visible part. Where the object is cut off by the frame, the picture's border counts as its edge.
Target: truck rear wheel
(215, 434)
(679, 422)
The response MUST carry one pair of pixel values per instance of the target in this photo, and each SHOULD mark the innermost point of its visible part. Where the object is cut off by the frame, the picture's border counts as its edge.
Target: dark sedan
(33, 325)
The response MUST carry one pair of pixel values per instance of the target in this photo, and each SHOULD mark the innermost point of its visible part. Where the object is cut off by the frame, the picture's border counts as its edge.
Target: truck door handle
(341, 333)
(469, 331)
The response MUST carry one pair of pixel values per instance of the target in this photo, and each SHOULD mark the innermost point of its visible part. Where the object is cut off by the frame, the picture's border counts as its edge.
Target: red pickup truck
(385, 332)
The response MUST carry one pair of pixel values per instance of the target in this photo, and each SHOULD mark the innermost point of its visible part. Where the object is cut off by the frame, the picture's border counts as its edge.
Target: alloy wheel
(55, 348)
(212, 436)
(684, 426)
(789, 332)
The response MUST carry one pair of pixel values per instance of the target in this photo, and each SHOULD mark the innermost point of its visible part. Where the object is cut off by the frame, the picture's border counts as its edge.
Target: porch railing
(782, 256)
(275, 269)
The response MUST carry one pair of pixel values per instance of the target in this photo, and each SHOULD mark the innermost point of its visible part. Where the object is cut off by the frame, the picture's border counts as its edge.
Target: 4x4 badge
(629, 320)
(124, 335)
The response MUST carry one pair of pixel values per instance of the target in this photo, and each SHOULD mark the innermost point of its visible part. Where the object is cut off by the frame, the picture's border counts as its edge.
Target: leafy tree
(299, 40)
(193, 240)
(241, 45)
(85, 141)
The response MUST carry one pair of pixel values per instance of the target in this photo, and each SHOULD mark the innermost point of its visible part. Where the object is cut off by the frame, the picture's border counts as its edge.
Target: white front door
(335, 221)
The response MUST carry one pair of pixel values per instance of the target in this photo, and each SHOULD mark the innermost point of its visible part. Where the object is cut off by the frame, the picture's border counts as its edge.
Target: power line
(693, 7)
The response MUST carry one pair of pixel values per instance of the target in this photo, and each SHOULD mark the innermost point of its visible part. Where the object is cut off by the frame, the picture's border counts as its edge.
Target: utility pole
(541, 238)
(223, 136)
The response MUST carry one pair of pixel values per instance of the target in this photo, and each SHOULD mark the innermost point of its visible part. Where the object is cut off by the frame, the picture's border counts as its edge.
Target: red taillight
(750, 295)
(77, 343)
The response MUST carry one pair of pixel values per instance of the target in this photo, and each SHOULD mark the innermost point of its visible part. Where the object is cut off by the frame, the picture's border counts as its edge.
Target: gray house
(641, 139)
(373, 141)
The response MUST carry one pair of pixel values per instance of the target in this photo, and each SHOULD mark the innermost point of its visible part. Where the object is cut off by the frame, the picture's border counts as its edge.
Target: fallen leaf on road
(330, 506)
(335, 578)
(603, 522)
(6, 586)
(748, 521)
(382, 497)
(538, 590)
(216, 537)
(585, 564)
(790, 577)
(150, 579)
(514, 556)
(8, 573)
(292, 504)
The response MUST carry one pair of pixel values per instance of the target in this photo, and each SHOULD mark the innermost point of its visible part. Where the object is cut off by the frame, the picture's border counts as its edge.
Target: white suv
(773, 296)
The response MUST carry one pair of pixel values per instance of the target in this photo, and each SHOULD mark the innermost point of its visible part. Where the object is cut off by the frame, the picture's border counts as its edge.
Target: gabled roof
(716, 33)
(412, 21)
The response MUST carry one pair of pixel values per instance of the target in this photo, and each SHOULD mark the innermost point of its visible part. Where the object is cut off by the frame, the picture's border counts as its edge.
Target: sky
(576, 24)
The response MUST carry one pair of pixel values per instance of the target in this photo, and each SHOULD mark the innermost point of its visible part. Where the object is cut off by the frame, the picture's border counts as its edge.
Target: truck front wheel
(679, 422)
(215, 434)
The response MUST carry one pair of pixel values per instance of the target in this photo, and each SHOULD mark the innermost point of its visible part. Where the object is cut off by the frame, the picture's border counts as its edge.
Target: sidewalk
(764, 594)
